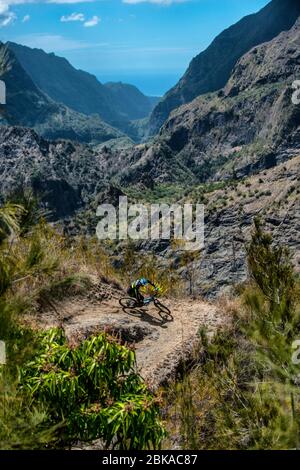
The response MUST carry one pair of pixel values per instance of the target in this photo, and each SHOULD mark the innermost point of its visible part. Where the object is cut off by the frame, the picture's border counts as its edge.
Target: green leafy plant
(9, 223)
(94, 391)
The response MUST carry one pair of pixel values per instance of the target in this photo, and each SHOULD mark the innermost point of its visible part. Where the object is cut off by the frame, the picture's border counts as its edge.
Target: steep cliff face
(210, 70)
(274, 196)
(28, 106)
(249, 125)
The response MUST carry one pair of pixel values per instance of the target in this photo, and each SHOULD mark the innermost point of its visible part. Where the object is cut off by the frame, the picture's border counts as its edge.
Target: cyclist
(134, 289)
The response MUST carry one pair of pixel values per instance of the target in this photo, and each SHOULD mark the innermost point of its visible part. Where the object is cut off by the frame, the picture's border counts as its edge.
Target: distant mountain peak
(28, 106)
(115, 103)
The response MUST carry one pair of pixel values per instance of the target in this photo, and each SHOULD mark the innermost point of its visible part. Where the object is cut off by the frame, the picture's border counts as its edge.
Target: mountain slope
(28, 106)
(129, 101)
(81, 91)
(249, 125)
(210, 70)
(66, 175)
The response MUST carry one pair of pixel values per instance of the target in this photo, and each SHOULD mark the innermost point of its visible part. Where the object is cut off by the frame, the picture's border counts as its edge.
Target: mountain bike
(132, 303)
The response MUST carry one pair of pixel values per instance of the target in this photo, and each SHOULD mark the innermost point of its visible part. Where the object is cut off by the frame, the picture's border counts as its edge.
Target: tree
(271, 269)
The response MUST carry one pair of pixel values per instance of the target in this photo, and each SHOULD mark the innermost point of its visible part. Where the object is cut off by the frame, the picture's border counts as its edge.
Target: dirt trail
(160, 345)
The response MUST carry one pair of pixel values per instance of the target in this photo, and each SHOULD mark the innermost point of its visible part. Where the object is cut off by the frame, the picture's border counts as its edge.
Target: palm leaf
(9, 219)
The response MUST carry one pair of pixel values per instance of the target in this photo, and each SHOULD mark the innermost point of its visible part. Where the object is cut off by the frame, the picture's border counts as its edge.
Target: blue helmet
(143, 281)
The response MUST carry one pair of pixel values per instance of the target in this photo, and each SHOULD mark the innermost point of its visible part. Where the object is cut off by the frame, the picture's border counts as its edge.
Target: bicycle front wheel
(164, 311)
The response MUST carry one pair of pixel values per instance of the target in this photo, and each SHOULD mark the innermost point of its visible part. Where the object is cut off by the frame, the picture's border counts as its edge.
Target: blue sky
(145, 42)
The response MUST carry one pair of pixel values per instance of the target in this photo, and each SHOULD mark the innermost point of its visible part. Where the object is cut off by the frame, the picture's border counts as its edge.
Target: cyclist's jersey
(141, 282)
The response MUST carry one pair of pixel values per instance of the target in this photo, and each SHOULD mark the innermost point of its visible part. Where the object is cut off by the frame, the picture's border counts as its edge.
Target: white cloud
(92, 22)
(56, 43)
(6, 17)
(8, 3)
(3, 8)
(73, 17)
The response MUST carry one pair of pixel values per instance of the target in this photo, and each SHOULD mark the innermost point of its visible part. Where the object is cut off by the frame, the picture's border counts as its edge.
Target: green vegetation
(159, 193)
(153, 267)
(244, 393)
(256, 93)
(198, 194)
(92, 391)
(171, 193)
(52, 392)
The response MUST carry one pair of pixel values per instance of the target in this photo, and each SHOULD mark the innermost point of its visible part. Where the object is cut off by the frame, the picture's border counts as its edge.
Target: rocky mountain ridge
(211, 69)
(274, 196)
(249, 125)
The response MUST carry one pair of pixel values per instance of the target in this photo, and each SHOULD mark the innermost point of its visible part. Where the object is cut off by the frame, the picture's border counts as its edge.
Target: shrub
(94, 391)
(22, 426)
(271, 269)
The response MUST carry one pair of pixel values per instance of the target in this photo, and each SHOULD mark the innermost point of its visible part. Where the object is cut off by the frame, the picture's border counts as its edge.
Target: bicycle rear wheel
(128, 302)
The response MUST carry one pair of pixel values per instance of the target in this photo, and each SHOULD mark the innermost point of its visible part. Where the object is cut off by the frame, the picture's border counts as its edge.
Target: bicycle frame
(148, 300)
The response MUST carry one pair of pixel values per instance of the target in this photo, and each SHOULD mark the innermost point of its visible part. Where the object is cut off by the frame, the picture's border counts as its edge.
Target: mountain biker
(134, 289)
